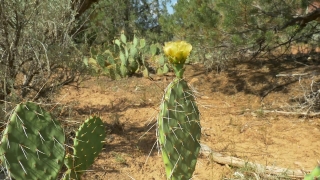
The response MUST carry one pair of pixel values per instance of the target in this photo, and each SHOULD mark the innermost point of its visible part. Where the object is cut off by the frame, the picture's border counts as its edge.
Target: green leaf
(123, 59)
(85, 61)
(123, 38)
(153, 49)
(126, 52)
(111, 60)
(159, 71)
(108, 56)
(145, 72)
(117, 42)
(131, 59)
(124, 71)
(112, 71)
(133, 51)
(133, 67)
(142, 43)
(101, 60)
(165, 68)
(161, 60)
(135, 41)
(93, 52)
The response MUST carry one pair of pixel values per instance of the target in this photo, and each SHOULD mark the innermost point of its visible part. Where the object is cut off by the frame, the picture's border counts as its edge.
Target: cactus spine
(32, 146)
(87, 145)
(179, 127)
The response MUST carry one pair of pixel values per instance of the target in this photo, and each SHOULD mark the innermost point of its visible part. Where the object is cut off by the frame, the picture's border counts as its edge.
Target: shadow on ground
(260, 77)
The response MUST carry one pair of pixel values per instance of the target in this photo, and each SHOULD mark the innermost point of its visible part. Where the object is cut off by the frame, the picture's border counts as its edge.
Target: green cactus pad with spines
(32, 146)
(123, 71)
(179, 130)
(88, 143)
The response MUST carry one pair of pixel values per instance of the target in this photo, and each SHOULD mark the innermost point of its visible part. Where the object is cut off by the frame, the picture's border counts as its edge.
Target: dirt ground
(234, 119)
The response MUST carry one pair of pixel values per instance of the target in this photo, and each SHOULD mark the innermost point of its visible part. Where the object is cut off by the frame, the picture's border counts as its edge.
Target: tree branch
(258, 168)
(302, 21)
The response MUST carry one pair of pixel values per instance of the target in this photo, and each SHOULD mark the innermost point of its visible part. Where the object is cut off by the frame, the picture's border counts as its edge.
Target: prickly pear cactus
(32, 146)
(314, 175)
(179, 127)
(87, 145)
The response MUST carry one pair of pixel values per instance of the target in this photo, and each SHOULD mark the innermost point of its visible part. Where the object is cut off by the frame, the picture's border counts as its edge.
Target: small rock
(204, 97)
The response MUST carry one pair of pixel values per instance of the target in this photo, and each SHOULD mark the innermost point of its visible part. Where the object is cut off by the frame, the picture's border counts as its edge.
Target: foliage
(225, 31)
(198, 27)
(157, 61)
(37, 52)
(258, 25)
(104, 20)
(126, 58)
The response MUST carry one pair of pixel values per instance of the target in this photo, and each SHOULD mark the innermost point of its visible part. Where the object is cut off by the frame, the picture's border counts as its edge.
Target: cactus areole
(179, 127)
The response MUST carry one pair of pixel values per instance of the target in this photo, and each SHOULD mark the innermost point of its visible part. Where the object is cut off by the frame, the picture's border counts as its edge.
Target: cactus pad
(32, 146)
(87, 145)
(315, 174)
(179, 130)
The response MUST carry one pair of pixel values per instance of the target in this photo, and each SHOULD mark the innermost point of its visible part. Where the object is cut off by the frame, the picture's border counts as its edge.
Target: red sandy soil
(233, 119)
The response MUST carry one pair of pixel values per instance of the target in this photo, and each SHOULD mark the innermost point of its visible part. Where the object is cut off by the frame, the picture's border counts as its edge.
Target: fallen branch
(292, 75)
(258, 168)
(293, 113)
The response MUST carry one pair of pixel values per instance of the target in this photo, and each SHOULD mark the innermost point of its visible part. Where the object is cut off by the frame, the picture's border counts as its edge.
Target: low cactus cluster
(32, 145)
(125, 59)
(162, 66)
(179, 127)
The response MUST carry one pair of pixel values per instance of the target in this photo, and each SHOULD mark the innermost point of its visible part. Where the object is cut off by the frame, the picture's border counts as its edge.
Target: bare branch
(302, 21)
(258, 168)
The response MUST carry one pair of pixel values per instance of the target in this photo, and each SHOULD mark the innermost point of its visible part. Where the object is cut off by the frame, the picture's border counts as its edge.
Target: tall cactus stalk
(179, 127)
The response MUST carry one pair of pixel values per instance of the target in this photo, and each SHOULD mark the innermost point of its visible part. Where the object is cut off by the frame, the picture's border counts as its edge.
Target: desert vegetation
(253, 68)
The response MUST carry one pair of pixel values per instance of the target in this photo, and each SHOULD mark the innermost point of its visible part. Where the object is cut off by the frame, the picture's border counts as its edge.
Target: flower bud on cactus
(177, 52)
(179, 127)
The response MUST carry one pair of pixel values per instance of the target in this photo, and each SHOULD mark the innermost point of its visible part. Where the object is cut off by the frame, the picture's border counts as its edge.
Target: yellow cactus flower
(177, 51)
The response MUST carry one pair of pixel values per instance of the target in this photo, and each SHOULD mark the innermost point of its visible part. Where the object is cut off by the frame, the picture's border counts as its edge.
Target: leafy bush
(37, 52)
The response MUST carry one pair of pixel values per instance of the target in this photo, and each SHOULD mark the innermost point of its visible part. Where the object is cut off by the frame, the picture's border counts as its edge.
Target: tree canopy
(231, 28)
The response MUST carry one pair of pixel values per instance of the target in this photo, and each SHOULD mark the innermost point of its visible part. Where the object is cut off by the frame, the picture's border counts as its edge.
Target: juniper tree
(228, 29)
(264, 26)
